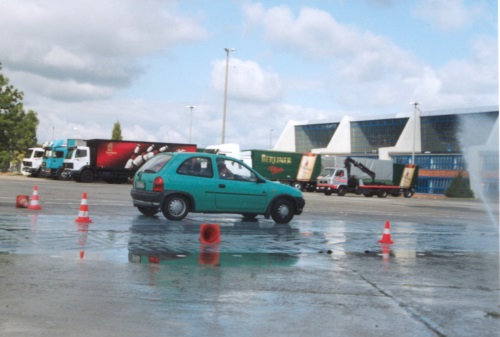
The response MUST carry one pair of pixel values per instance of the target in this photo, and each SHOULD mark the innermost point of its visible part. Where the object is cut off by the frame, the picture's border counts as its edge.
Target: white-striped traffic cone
(35, 201)
(386, 237)
(83, 214)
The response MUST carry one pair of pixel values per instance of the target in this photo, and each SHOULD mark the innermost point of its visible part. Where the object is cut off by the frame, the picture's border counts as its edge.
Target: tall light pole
(415, 104)
(228, 50)
(190, 120)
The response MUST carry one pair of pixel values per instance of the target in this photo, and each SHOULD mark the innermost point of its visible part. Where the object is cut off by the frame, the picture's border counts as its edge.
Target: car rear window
(155, 164)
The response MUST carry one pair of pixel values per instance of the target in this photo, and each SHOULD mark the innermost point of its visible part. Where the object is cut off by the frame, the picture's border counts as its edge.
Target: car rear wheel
(175, 207)
(148, 211)
(283, 211)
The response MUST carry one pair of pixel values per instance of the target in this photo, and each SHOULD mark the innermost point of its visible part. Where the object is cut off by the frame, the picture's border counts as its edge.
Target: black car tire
(283, 211)
(175, 207)
(148, 211)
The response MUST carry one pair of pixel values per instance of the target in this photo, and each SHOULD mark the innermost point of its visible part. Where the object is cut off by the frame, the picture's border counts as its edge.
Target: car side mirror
(260, 180)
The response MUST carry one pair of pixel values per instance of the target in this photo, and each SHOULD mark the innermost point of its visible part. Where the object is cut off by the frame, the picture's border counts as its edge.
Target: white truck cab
(32, 162)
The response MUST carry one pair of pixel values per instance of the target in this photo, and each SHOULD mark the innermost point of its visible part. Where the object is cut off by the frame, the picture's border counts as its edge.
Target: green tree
(459, 188)
(17, 127)
(117, 132)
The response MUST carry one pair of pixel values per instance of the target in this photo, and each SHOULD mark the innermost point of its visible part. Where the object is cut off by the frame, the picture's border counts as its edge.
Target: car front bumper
(300, 203)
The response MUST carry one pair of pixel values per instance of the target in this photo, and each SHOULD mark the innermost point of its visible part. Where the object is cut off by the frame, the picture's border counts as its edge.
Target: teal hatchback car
(182, 182)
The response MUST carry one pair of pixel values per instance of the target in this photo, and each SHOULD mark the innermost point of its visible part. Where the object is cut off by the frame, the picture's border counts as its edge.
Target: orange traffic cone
(209, 233)
(83, 214)
(22, 201)
(35, 201)
(386, 237)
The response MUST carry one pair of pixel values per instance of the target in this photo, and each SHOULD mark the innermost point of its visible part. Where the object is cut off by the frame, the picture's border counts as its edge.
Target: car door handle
(222, 185)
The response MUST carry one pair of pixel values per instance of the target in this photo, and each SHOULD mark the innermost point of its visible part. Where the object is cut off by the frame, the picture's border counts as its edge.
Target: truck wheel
(408, 193)
(342, 191)
(297, 185)
(328, 191)
(382, 194)
(60, 175)
(87, 176)
(148, 211)
(282, 211)
(175, 207)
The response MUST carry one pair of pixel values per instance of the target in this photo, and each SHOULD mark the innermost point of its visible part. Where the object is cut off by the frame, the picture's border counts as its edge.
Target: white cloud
(447, 14)
(247, 81)
(88, 44)
(370, 70)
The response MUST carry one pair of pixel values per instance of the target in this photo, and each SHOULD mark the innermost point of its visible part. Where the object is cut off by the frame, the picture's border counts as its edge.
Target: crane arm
(349, 161)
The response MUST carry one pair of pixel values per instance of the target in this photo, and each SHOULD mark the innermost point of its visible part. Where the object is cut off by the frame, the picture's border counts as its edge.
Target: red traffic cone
(35, 201)
(386, 237)
(22, 201)
(209, 233)
(83, 214)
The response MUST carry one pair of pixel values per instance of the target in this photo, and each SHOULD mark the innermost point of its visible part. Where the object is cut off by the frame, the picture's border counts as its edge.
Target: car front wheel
(175, 207)
(282, 211)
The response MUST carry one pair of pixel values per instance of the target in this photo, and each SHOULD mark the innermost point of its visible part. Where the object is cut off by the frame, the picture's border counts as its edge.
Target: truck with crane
(366, 176)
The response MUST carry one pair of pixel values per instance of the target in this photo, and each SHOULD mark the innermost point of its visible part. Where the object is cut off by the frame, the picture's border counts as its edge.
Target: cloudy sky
(85, 64)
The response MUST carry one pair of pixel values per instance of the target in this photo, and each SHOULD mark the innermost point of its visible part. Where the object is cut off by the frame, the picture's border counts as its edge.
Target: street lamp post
(191, 107)
(415, 104)
(228, 50)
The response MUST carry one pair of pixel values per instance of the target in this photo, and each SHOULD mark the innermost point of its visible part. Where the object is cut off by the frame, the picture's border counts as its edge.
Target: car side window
(196, 166)
(232, 170)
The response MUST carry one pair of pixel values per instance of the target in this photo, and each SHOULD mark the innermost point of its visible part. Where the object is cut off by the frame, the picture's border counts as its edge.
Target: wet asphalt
(324, 274)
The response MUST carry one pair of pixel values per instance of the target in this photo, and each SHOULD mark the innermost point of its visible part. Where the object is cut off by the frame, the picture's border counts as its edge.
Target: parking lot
(323, 274)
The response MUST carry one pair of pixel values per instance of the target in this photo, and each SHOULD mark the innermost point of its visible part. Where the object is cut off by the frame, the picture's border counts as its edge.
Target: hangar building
(443, 143)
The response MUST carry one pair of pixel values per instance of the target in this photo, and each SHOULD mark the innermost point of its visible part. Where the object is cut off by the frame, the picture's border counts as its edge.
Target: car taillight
(158, 184)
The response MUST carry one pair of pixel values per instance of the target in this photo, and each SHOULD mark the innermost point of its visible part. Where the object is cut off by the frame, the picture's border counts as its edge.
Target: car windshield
(155, 164)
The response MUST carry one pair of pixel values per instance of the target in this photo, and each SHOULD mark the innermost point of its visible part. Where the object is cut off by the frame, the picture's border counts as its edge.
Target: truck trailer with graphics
(293, 168)
(114, 161)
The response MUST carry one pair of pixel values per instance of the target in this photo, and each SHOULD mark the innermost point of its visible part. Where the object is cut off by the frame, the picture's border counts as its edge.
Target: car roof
(200, 154)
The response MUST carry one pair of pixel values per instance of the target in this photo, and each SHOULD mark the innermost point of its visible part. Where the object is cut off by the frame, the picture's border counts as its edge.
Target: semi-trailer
(114, 161)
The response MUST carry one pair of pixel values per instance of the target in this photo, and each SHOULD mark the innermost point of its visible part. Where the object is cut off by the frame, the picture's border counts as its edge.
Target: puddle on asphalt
(254, 243)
